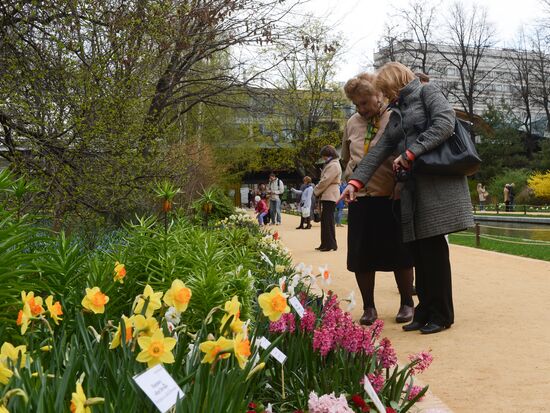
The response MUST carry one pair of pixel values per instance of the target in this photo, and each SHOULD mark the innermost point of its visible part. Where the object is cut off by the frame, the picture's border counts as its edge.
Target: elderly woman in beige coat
(374, 234)
(328, 191)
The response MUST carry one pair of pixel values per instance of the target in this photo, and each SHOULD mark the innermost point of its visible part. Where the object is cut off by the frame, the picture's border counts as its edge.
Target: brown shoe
(405, 314)
(369, 316)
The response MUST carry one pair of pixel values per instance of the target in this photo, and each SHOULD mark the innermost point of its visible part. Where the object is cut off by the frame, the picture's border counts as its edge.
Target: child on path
(261, 210)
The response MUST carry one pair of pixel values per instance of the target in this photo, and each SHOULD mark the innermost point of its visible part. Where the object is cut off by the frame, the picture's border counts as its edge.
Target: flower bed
(79, 325)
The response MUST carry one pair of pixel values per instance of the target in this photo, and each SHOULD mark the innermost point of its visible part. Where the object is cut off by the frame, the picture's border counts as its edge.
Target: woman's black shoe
(432, 328)
(319, 248)
(414, 326)
(328, 249)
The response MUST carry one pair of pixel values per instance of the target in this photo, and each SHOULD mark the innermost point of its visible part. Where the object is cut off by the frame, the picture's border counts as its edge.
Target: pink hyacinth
(414, 391)
(328, 403)
(423, 361)
(307, 324)
(287, 322)
(377, 380)
(386, 354)
(376, 329)
(338, 330)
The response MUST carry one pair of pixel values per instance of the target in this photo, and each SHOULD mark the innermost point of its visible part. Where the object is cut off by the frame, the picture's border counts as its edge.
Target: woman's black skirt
(374, 236)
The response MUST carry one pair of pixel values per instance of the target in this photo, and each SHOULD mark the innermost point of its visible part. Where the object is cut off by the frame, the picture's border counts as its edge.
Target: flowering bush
(78, 325)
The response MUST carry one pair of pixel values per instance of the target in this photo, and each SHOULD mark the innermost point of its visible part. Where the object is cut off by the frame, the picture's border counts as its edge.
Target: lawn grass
(540, 252)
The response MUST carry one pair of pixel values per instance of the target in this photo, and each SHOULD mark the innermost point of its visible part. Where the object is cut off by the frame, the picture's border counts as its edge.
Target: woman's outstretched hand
(348, 195)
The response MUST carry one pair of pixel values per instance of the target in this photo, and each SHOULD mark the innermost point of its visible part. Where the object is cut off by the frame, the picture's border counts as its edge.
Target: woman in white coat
(306, 195)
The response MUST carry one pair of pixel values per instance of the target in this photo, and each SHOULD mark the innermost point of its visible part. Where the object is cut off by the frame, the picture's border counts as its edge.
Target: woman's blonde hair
(392, 77)
(361, 85)
(307, 180)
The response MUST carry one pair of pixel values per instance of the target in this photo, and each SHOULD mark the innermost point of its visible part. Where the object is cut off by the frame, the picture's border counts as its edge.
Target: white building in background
(497, 87)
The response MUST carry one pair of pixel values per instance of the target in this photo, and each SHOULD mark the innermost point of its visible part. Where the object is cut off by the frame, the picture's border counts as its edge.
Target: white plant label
(297, 305)
(275, 352)
(373, 396)
(160, 387)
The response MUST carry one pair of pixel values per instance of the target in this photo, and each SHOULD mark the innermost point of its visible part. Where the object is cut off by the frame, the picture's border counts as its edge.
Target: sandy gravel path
(496, 358)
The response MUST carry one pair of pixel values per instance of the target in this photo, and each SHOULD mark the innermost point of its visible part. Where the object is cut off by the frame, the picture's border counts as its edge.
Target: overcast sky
(362, 22)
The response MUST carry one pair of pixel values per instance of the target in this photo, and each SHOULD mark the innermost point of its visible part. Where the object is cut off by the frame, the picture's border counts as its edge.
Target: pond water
(538, 232)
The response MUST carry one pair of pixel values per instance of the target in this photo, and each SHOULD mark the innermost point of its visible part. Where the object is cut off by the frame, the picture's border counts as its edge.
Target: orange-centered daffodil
(241, 349)
(54, 309)
(118, 335)
(35, 303)
(273, 304)
(95, 300)
(156, 349)
(24, 318)
(78, 401)
(119, 272)
(214, 350)
(178, 296)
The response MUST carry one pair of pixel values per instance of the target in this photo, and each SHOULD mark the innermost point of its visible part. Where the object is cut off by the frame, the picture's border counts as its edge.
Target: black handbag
(316, 216)
(457, 156)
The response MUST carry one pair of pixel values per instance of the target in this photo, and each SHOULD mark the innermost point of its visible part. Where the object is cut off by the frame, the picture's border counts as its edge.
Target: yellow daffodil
(156, 349)
(273, 304)
(54, 309)
(78, 401)
(118, 335)
(232, 308)
(241, 349)
(35, 303)
(5, 372)
(178, 296)
(4, 409)
(24, 318)
(153, 302)
(9, 351)
(144, 326)
(119, 272)
(212, 349)
(95, 300)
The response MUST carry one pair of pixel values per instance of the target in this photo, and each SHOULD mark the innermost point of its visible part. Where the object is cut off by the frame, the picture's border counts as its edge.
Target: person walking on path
(506, 194)
(431, 205)
(482, 194)
(327, 190)
(339, 214)
(275, 189)
(261, 210)
(374, 234)
(306, 194)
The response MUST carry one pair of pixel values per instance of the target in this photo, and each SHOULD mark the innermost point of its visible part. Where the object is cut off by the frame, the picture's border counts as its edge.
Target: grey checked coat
(430, 205)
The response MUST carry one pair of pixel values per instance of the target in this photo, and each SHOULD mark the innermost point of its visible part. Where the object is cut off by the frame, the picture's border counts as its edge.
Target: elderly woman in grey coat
(431, 205)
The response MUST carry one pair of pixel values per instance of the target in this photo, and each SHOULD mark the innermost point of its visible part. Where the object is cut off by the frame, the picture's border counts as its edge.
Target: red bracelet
(357, 184)
(410, 155)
